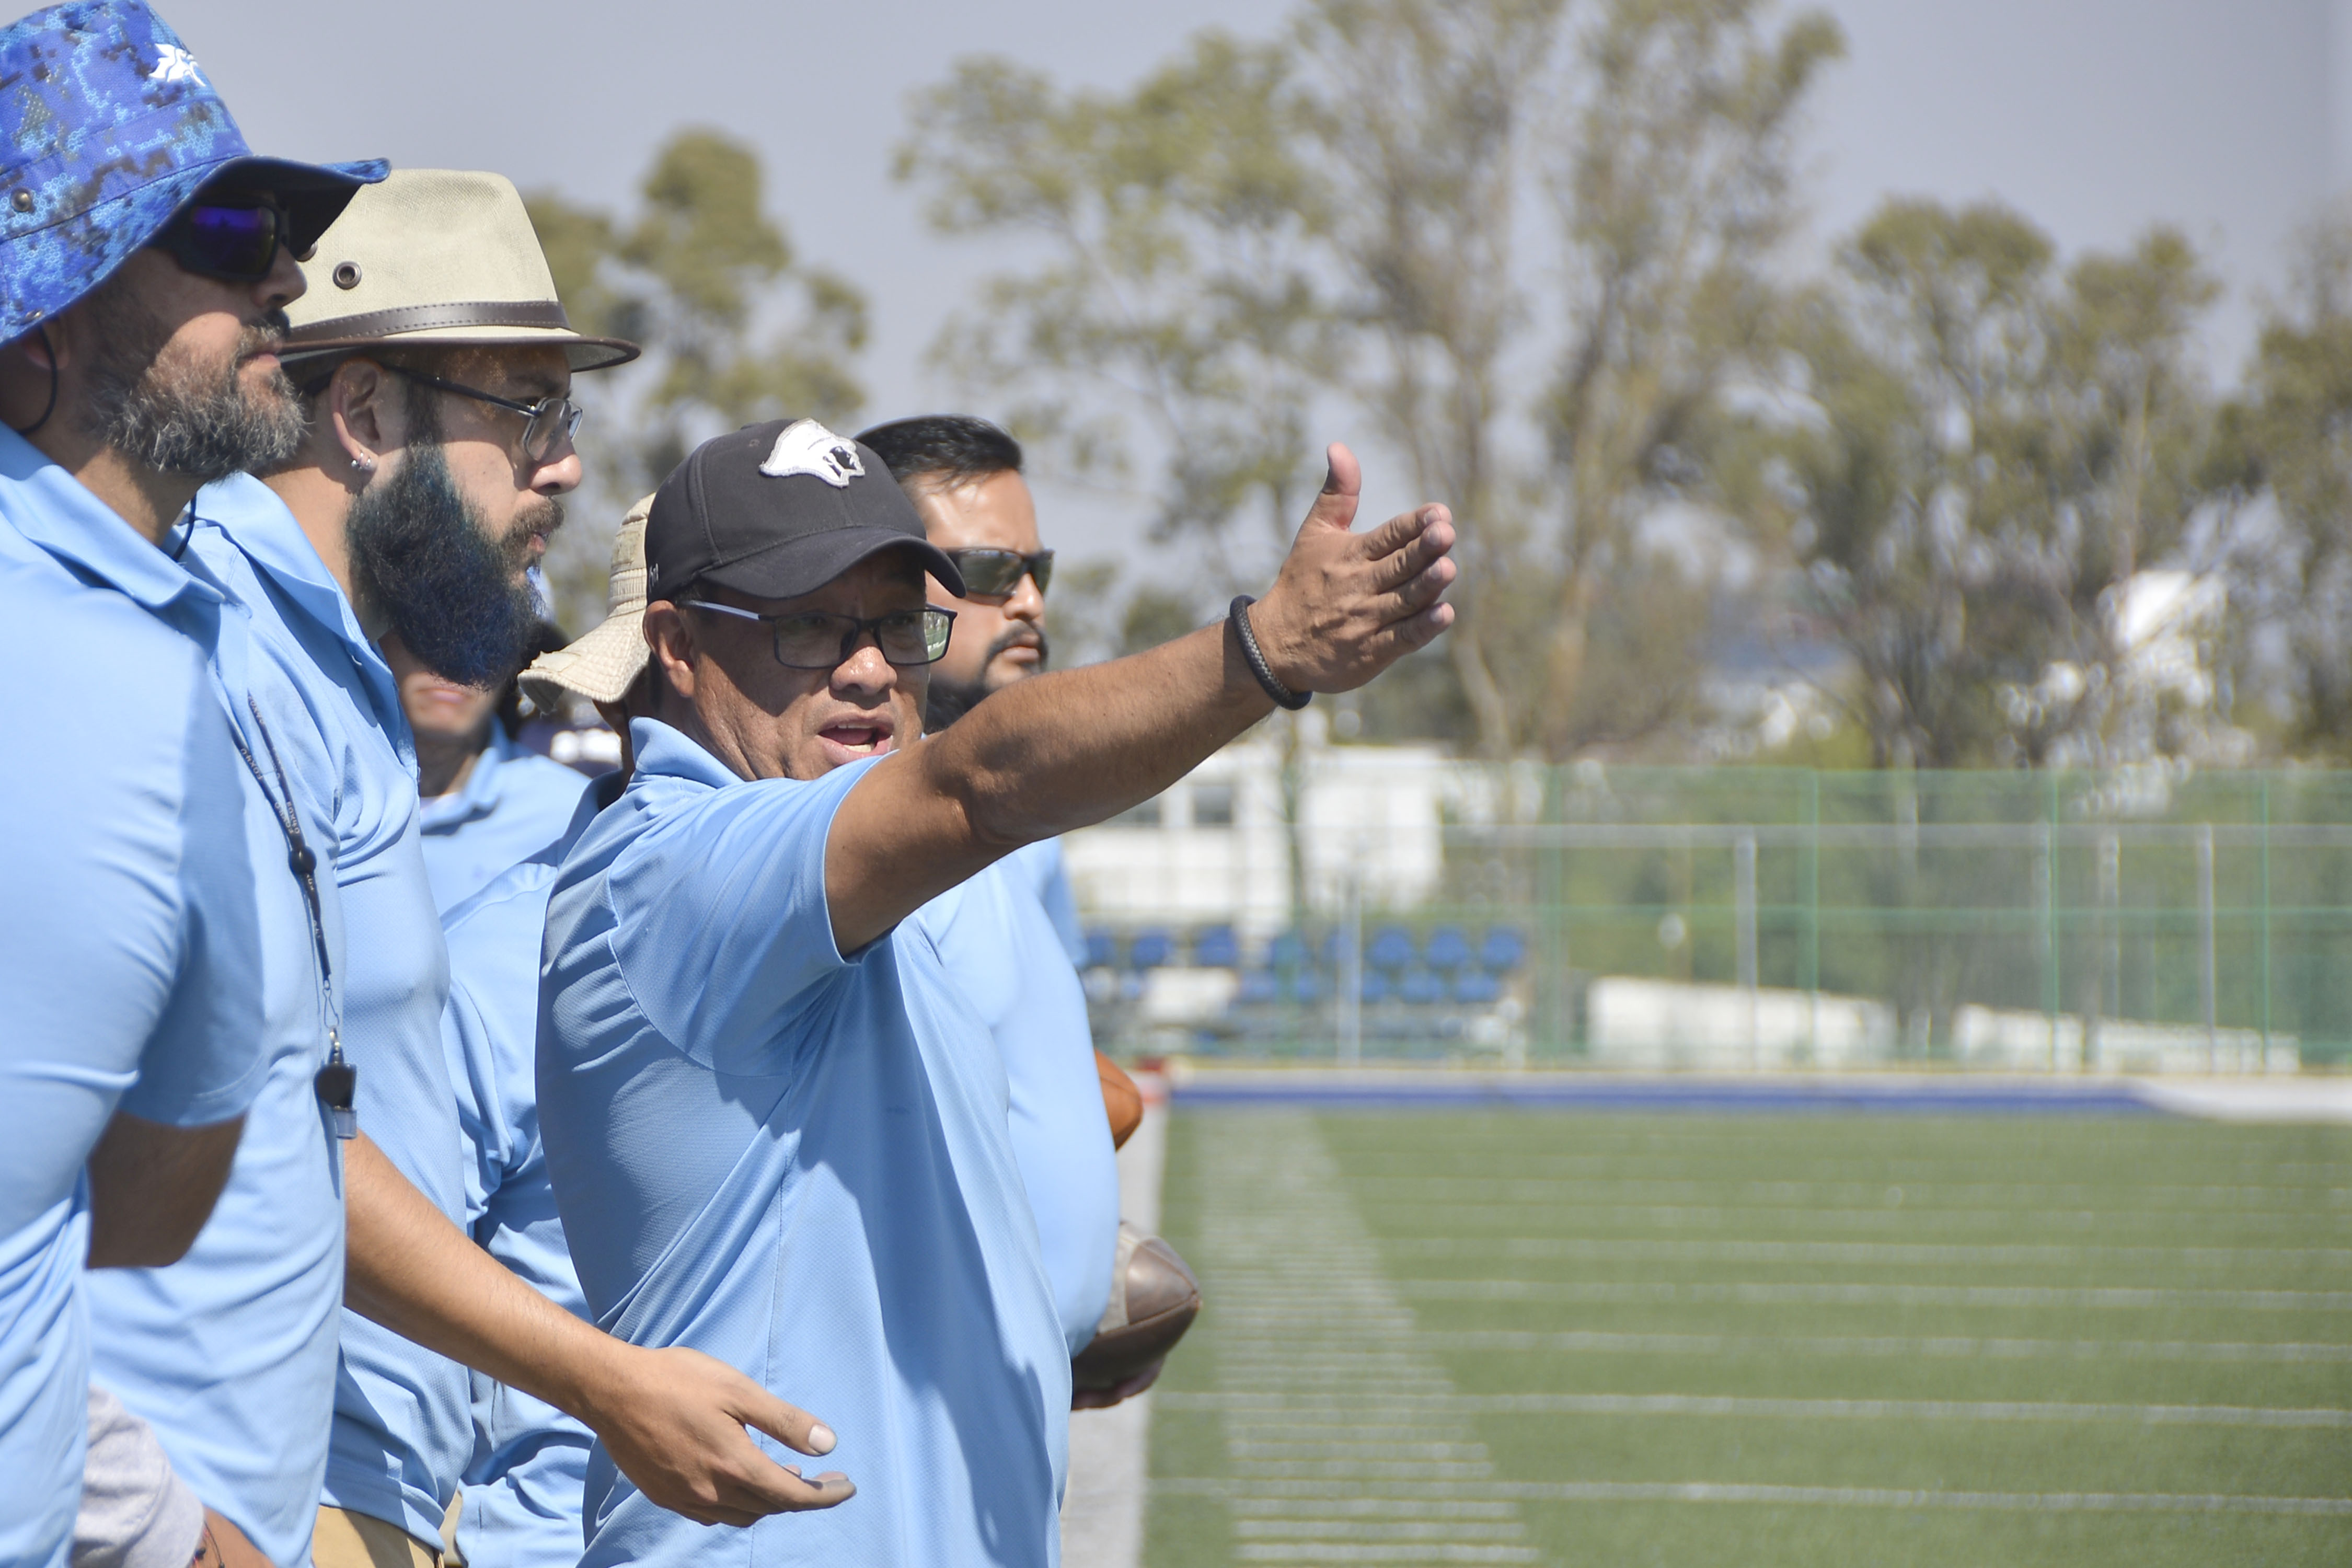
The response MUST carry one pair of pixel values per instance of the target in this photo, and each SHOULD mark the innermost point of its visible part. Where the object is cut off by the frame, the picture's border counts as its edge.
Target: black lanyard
(338, 1081)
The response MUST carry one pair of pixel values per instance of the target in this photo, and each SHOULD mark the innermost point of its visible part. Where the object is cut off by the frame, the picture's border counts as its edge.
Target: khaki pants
(348, 1539)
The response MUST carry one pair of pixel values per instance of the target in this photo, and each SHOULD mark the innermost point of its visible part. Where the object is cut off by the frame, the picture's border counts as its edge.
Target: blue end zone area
(1890, 1096)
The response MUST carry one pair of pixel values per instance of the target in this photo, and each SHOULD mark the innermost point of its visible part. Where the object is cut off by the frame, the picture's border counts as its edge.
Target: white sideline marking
(1860, 1294)
(1103, 1501)
(1585, 1341)
(1811, 1496)
(1237, 1407)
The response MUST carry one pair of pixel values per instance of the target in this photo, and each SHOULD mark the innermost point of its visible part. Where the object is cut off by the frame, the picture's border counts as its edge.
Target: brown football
(1153, 1300)
(1122, 1101)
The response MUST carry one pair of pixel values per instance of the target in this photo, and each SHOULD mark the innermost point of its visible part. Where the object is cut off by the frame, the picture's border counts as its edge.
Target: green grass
(1986, 1271)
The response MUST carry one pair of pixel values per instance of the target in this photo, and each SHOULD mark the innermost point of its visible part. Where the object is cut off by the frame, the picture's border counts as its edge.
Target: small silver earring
(363, 463)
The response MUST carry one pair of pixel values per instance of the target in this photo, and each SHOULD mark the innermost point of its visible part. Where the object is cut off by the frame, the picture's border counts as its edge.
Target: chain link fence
(1350, 906)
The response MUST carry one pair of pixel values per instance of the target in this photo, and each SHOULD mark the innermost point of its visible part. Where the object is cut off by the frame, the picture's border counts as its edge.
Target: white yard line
(1645, 1292)
(1239, 1410)
(1316, 1351)
(1318, 1496)
(1580, 1248)
(1110, 1465)
(1591, 1343)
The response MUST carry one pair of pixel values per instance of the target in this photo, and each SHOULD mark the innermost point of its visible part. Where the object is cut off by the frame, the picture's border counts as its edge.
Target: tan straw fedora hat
(432, 257)
(602, 665)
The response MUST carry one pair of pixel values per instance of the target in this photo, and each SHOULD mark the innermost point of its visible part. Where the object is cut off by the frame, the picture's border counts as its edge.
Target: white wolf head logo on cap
(808, 448)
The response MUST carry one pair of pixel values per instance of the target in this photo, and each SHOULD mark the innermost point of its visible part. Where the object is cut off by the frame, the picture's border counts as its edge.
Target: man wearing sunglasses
(776, 1129)
(1001, 935)
(156, 954)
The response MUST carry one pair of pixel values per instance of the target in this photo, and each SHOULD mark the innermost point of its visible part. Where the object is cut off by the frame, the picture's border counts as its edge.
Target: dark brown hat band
(543, 313)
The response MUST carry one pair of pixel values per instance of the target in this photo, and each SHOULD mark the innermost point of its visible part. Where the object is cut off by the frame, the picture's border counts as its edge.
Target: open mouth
(850, 740)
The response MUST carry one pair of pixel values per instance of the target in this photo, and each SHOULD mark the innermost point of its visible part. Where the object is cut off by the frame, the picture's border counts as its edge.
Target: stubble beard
(951, 700)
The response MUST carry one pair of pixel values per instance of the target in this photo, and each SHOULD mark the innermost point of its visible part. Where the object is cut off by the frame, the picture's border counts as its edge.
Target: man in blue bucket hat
(158, 953)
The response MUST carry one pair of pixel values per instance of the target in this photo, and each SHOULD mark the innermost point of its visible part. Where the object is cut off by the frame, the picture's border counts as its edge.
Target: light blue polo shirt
(353, 764)
(997, 940)
(530, 1459)
(515, 804)
(796, 1163)
(1044, 860)
(131, 942)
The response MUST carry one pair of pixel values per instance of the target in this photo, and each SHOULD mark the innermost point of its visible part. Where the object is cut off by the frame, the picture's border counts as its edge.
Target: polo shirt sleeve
(722, 927)
(205, 1060)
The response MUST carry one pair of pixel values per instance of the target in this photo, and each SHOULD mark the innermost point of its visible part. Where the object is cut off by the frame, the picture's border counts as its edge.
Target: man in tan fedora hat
(433, 365)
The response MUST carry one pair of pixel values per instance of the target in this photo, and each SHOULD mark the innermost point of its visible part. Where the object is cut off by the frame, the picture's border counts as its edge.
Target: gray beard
(179, 418)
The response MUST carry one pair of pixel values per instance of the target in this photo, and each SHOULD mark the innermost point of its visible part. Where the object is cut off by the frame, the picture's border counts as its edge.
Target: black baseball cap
(780, 510)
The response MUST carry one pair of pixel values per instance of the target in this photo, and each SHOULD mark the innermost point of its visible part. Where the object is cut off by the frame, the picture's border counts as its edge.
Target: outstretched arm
(673, 1419)
(1072, 748)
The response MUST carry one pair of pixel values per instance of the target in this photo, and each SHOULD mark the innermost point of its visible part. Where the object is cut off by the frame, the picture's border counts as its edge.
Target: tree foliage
(1376, 210)
(1536, 249)
(736, 329)
(1990, 449)
(1174, 312)
(2287, 439)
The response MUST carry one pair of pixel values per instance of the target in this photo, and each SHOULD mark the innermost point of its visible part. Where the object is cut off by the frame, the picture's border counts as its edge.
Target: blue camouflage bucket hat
(107, 128)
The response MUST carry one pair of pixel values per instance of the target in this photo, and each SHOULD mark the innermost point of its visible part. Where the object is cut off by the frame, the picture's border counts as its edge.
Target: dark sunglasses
(233, 238)
(552, 422)
(994, 573)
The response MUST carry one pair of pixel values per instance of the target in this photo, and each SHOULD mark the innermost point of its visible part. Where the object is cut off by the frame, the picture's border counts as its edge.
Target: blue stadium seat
(1309, 987)
(1477, 988)
(1258, 986)
(1215, 947)
(1376, 986)
(1287, 950)
(1391, 948)
(1151, 950)
(1335, 945)
(1102, 950)
(1419, 985)
(1504, 950)
(1448, 948)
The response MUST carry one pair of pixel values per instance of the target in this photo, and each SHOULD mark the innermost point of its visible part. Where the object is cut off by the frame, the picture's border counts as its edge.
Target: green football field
(1758, 1340)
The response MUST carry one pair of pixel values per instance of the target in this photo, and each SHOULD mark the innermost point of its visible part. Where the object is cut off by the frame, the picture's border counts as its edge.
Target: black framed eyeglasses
(994, 573)
(552, 422)
(232, 238)
(817, 639)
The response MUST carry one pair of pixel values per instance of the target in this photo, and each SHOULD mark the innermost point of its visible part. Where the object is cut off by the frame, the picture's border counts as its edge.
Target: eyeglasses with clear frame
(818, 639)
(550, 425)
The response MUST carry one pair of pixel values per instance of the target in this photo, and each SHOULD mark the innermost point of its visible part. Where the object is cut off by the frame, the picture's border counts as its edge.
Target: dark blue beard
(421, 558)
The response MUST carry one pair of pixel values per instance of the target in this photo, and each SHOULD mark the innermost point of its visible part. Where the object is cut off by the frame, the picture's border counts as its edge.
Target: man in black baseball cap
(776, 1128)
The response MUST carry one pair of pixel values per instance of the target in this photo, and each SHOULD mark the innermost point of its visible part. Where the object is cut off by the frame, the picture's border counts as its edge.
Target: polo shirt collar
(480, 795)
(55, 511)
(665, 753)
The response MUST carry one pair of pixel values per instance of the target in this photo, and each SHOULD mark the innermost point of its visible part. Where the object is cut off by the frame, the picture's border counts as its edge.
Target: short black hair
(950, 451)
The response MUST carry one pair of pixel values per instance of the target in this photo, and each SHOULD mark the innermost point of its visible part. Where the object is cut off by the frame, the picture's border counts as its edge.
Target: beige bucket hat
(436, 256)
(602, 665)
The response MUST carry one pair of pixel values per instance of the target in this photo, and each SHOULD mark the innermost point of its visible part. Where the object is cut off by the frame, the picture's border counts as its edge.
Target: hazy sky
(2095, 117)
